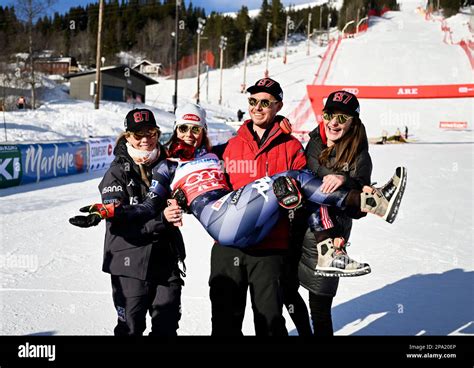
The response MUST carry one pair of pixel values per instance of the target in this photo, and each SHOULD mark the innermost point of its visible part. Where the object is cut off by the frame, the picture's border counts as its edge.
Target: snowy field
(422, 280)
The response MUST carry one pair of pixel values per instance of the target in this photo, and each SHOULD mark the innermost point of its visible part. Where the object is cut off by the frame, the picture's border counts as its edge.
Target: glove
(97, 212)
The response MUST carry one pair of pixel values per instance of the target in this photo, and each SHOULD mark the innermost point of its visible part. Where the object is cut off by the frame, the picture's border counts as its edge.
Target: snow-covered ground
(423, 266)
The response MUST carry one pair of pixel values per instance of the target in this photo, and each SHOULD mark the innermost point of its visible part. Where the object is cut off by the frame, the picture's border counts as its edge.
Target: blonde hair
(122, 135)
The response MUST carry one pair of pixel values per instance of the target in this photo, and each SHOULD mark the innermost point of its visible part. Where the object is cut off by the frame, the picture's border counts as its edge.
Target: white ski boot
(385, 201)
(333, 260)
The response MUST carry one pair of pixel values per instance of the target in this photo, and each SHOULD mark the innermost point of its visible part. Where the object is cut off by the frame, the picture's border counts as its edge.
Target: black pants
(133, 298)
(232, 273)
(320, 306)
(292, 299)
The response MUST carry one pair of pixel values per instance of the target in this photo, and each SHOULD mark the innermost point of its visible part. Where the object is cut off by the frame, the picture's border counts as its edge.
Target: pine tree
(243, 25)
(9, 30)
(278, 20)
(450, 7)
(348, 12)
(259, 30)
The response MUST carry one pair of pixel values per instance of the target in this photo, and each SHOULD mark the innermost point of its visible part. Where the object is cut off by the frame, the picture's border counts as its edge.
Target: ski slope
(422, 279)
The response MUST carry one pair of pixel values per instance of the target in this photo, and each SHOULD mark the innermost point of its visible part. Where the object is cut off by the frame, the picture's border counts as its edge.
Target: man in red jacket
(263, 147)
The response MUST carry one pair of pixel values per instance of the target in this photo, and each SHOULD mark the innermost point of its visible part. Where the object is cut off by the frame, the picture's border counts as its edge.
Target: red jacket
(245, 162)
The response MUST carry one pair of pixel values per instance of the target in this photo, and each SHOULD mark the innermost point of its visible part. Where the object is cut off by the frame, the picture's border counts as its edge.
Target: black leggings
(320, 307)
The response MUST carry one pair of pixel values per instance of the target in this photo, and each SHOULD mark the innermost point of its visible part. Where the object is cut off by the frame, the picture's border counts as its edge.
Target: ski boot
(333, 260)
(385, 201)
(287, 192)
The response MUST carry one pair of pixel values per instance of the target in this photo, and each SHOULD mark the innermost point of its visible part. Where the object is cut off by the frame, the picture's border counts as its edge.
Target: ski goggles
(184, 128)
(265, 102)
(149, 134)
(341, 118)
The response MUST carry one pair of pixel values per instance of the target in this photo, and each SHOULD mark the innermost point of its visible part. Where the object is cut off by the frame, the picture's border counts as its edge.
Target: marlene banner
(51, 160)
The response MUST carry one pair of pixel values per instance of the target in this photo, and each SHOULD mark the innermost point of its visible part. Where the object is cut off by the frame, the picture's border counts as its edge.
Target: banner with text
(317, 93)
(46, 161)
(10, 166)
(101, 153)
(454, 125)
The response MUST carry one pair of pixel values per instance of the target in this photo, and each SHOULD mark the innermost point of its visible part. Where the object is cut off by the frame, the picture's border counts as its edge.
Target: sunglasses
(149, 134)
(184, 128)
(341, 118)
(264, 102)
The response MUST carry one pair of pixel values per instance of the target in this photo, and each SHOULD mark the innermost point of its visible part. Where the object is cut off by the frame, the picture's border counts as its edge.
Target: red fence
(466, 45)
(207, 57)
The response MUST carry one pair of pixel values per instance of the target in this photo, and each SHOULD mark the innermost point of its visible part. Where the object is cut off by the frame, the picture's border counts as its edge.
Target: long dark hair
(347, 148)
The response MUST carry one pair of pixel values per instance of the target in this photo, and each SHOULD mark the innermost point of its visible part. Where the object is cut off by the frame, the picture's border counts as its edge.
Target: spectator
(338, 153)
(21, 103)
(264, 143)
(398, 135)
(141, 258)
(384, 136)
(240, 114)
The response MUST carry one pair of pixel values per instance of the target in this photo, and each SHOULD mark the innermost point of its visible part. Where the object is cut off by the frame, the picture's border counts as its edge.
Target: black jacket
(357, 176)
(145, 251)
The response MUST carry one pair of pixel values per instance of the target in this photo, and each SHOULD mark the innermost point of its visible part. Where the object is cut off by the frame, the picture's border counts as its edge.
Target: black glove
(85, 221)
(97, 212)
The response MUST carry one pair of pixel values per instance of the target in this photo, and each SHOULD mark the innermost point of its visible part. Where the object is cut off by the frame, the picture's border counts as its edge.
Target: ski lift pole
(3, 110)
(269, 26)
(309, 33)
(4, 123)
(207, 83)
(247, 38)
(286, 38)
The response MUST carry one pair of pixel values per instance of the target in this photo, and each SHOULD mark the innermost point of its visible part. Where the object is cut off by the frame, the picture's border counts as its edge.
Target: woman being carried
(243, 217)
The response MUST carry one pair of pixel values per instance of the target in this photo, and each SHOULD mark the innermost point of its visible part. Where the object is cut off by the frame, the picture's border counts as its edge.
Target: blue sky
(209, 5)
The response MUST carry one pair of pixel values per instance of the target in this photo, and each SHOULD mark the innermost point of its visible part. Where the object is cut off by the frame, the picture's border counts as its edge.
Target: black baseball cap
(267, 85)
(138, 119)
(343, 101)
